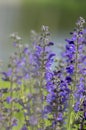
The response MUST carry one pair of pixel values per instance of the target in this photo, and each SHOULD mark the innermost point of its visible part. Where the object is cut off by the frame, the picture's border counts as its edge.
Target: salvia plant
(35, 95)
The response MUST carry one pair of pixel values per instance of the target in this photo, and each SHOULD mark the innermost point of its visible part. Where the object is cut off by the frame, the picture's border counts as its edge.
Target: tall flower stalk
(17, 75)
(75, 67)
(81, 74)
(42, 61)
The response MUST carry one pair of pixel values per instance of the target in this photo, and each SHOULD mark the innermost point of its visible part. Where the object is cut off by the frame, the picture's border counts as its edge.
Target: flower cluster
(38, 97)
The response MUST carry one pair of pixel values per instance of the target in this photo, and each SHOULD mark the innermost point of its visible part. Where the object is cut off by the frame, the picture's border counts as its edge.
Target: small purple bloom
(48, 76)
(60, 117)
(24, 128)
(47, 109)
(68, 79)
(8, 99)
(76, 107)
(26, 50)
(70, 69)
(70, 47)
(33, 120)
(50, 44)
(14, 122)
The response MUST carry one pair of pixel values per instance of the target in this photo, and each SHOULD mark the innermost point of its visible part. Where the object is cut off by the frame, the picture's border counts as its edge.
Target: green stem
(11, 107)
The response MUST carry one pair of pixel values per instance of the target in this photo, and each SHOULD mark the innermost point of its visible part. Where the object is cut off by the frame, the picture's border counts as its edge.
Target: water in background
(22, 18)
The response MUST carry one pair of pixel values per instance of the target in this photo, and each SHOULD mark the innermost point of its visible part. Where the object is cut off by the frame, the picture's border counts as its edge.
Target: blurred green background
(22, 16)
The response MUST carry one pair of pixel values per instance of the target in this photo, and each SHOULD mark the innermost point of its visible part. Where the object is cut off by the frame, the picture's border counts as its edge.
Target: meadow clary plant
(43, 58)
(16, 77)
(80, 70)
(75, 56)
